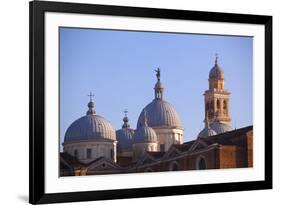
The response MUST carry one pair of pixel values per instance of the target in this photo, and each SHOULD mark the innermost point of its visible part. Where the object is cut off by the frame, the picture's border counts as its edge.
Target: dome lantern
(158, 88)
(126, 120)
(91, 105)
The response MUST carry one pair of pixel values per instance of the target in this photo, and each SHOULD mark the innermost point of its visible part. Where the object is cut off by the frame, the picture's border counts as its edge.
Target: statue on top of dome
(157, 73)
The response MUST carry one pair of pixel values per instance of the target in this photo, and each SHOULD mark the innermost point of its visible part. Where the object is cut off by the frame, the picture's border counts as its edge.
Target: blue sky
(118, 68)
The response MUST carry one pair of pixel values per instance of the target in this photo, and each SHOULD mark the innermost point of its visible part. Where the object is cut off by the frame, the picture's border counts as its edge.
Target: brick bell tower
(217, 97)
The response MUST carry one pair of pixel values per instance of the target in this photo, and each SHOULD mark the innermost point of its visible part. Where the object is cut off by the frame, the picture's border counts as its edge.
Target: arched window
(174, 166)
(218, 104)
(148, 170)
(207, 106)
(224, 104)
(225, 107)
(201, 163)
(212, 105)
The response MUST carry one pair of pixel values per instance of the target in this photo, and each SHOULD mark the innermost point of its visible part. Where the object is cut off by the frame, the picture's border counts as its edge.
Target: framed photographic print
(130, 102)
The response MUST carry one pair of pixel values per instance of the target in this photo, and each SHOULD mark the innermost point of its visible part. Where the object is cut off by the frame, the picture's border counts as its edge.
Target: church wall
(98, 149)
(140, 148)
(228, 156)
(185, 162)
(169, 136)
(250, 148)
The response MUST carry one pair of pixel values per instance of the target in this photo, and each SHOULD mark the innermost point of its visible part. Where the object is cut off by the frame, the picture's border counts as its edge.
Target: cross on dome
(91, 96)
(217, 57)
(91, 105)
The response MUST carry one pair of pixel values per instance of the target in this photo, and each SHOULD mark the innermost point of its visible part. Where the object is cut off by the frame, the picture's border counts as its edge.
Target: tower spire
(91, 105)
(126, 120)
(158, 88)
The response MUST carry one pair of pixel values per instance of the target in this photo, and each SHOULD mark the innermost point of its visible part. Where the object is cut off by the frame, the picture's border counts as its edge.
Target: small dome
(124, 139)
(160, 113)
(90, 127)
(220, 127)
(158, 85)
(206, 132)
(145, 134)
(216, 72)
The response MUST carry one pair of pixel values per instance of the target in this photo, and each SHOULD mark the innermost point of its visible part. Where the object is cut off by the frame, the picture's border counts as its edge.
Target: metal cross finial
(125, 111)
(91, 96)
(217, 56)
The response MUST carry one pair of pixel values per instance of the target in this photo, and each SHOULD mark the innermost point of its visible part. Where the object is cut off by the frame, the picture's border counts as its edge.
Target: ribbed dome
(160, 113)
(216, 73)
(220, 127)
(90, 127)
(206, 132)
(124, 138)
(145, 134)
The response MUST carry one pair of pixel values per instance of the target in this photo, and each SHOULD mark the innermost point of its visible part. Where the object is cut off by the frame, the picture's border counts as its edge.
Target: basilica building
(92, 146)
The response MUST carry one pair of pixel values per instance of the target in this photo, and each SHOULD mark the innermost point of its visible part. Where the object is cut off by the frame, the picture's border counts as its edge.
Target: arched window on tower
(212, 106)
(218, 104)
(225, 106)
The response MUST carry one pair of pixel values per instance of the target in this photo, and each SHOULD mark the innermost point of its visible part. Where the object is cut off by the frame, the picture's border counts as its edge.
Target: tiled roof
(185, 146)
(156, 155)
(124, 161)
(72, 161)
(227, 138)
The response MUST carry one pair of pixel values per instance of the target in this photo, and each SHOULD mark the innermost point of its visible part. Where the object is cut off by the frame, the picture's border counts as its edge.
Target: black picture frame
(37, 9)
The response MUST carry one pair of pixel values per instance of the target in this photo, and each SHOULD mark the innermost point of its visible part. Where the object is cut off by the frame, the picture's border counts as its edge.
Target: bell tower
(217, 97)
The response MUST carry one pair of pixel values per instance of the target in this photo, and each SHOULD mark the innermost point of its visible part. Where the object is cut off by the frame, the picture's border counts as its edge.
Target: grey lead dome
(145, 134)
(206, 132)
(90, 127)
(160, 113)
(220, 127)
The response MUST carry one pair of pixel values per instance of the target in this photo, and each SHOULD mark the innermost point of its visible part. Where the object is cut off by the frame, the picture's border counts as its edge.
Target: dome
(216, 72)
(158, 85)
(145, 134)
(220, 127)
(160, 113)
(90, 127)
(125, 135)
(206, 132)
(125, 138)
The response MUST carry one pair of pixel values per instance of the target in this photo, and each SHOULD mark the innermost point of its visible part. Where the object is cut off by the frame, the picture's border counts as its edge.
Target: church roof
(90, 127)
(228, 138)
(70, 160)
(160, 113)
(156, 155)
